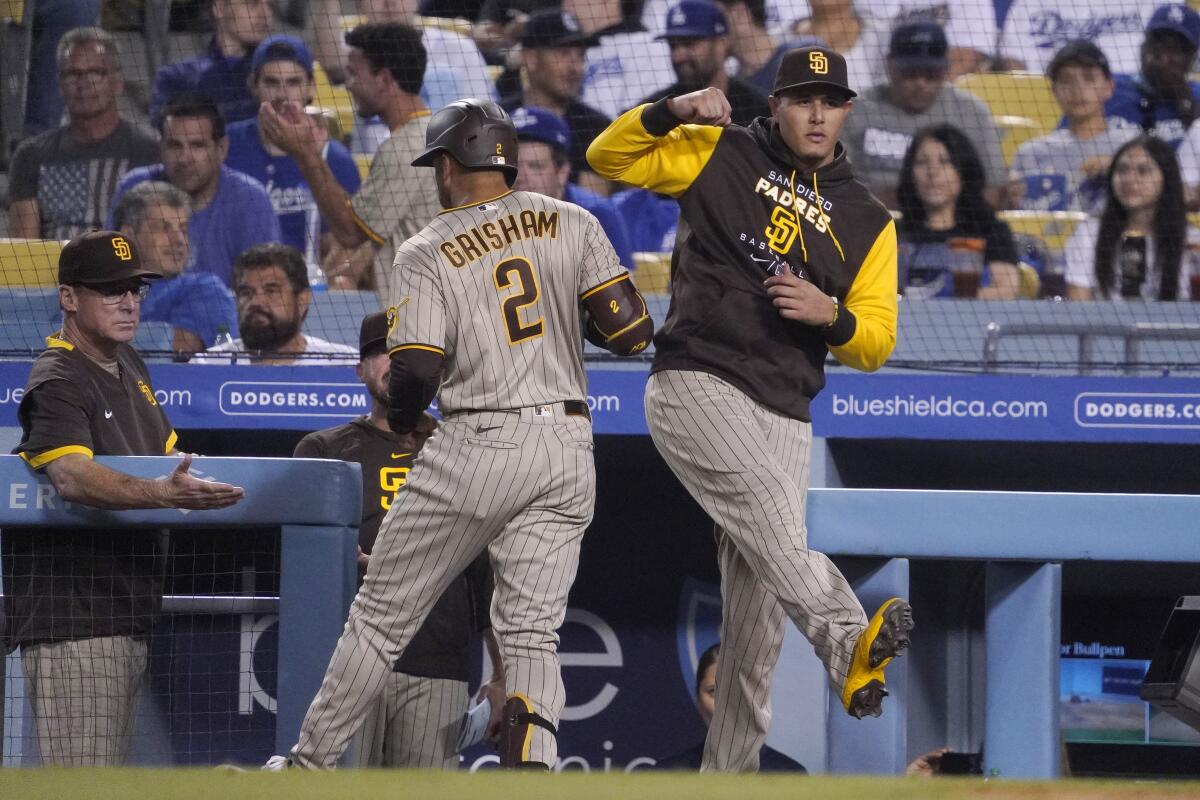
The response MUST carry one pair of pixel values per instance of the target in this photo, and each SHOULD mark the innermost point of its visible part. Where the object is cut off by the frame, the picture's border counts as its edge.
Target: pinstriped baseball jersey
(496, 287)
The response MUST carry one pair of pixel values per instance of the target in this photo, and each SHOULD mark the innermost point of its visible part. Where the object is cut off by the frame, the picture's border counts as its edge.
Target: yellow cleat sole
(886, 636)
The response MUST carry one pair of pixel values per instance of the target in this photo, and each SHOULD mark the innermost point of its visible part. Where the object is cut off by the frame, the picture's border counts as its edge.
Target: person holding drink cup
(1141, 247)
(952, 243)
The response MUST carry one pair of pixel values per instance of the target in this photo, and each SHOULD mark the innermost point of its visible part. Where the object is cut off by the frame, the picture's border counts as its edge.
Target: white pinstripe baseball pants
(748, 467)
(414, 724)
(519, 484)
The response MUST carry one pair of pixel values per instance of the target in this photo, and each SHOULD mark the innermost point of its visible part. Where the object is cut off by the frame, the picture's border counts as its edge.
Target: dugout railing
(1021, 539)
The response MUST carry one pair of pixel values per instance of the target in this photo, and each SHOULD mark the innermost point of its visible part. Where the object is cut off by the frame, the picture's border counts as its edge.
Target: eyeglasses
(113, 293)
(72, 75)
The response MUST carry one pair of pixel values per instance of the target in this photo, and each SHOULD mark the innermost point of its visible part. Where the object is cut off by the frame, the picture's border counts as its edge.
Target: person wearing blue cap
(545, 145)
(1161, 100)
(221, 72)
(916, 96)
(553, 56)
(698, 35)
(281, 71)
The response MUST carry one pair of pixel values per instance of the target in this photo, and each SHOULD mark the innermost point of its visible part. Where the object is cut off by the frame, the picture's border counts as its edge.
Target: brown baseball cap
(101, 257)
(812, 66)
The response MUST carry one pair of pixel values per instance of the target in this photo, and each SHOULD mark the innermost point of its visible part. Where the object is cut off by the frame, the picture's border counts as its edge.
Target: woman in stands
(945, 216)
(1138, 247)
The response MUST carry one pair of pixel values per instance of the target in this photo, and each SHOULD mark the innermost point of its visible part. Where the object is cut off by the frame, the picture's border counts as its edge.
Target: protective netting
(188, 674)
(1023, 243)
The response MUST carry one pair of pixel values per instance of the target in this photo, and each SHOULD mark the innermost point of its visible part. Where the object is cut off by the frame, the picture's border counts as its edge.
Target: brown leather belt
(576, 408)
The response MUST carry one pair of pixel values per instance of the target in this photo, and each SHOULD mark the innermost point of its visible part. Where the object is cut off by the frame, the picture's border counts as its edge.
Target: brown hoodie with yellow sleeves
(754, 211)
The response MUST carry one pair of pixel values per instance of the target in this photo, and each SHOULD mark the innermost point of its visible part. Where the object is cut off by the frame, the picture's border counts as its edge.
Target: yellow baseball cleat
(886, 636)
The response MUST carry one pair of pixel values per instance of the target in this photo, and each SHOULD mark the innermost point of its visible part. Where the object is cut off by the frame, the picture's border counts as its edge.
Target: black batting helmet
(478, 133)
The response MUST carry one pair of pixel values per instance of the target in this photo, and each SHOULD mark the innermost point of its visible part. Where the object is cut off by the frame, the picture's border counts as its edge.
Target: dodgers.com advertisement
(853, 405)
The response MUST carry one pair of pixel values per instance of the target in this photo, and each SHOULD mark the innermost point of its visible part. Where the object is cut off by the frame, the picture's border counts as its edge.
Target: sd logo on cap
(100, 257)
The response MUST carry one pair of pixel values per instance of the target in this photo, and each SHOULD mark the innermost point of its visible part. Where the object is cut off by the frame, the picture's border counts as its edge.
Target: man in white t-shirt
(270, 282)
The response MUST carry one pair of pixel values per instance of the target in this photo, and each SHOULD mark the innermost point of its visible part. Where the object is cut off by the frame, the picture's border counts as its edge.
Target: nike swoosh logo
(107, 414)
(401, 455)
(760, 260)
(485, 429)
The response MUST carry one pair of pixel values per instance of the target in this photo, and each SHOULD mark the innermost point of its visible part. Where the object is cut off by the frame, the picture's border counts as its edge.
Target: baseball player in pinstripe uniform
(789, 259)
(486, 313)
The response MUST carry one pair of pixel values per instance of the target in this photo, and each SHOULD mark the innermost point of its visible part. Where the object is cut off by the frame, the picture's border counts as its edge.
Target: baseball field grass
(180, 784)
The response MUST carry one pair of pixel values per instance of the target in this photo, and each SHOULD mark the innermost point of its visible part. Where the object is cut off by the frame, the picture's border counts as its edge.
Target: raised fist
(709, 106)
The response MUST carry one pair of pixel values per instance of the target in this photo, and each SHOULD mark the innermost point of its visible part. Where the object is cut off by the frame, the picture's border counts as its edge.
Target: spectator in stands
(698, 37)
(454, 67)
(971, 26)
(62, 181)
(553, 53)
(52, 19)
(852, 30)
(1034, 30)
(396, 200)
(941, 199)
(271, 284)
(222, 73)
(626, 63)
(198, 305)
(1136, 249)
(281, 71)
(757, 50)
(878, 134)
(230, 211)
(545, 142)
(769, 760)
(1161, 100)
(1065, 169)
(499, 25)
(651, 220)
(81, 603)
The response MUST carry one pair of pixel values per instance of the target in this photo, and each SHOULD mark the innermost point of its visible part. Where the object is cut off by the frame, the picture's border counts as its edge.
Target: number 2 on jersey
(518, 273)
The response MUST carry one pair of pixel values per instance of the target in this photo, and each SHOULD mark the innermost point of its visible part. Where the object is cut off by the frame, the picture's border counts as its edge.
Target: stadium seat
(363, 162)
(336, 315)
(652, 274)
(1015, 131)
(1053, 228)
(26, 318)
(1030, 282)
(1015, 94)
(334, 98)
(26, 263)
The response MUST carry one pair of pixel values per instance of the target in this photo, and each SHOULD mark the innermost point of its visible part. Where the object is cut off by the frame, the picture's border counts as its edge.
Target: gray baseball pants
(83, 694)
(521, 483)
(748, 467)
(414, 724)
